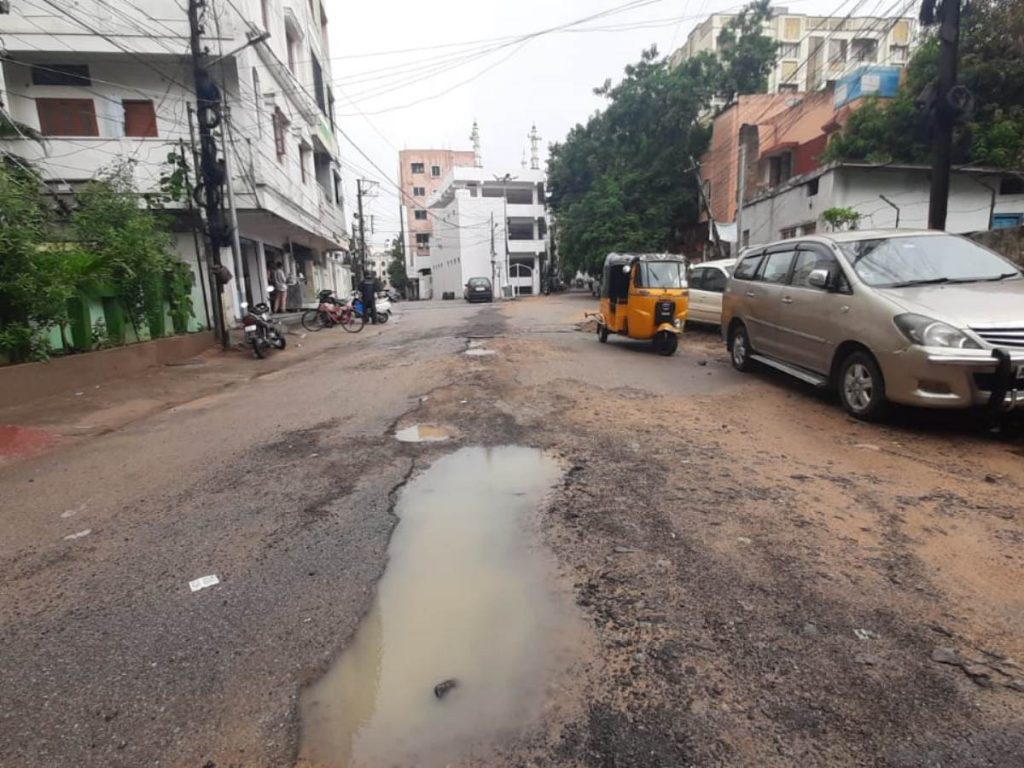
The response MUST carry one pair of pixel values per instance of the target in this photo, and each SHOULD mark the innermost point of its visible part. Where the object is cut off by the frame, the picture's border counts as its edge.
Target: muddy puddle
(468, 597)
(423, 433)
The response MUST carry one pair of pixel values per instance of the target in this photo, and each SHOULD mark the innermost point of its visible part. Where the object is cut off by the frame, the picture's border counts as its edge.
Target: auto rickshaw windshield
(662, 274)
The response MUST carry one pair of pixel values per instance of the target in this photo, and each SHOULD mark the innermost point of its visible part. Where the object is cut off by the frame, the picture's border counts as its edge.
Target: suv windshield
(903, 261)
(663, 274)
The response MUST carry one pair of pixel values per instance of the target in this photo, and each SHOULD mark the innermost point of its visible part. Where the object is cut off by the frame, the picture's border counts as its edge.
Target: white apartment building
(488, 224)
(886, 196)
(108, 81)
(815, 51)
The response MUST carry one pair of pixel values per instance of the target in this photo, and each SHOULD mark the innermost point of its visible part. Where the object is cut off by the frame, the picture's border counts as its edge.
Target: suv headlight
(931, 333)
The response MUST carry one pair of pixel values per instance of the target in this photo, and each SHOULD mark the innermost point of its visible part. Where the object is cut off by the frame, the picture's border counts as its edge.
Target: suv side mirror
(820, 278)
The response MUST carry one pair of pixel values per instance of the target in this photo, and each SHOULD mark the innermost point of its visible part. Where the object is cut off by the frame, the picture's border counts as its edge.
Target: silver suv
(920, 318)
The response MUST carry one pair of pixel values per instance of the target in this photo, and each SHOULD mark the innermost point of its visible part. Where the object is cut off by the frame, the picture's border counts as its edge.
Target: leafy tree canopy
(746, 52)
(396, 266)
(619, 181)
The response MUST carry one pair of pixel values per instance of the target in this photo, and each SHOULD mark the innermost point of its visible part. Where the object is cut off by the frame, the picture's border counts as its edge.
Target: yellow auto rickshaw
(644, 296)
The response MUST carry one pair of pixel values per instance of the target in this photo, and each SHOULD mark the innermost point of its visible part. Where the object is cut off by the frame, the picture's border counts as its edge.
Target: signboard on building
(883, 82)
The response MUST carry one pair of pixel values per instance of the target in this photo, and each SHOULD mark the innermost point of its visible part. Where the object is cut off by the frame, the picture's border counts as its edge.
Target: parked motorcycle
(261, 332)
(383, 307)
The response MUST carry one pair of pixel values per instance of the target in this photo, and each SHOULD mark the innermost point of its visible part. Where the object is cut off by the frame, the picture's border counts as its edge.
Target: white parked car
(707, 282)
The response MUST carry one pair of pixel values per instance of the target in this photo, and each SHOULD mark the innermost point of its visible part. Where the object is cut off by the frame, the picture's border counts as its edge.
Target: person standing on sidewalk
(280, 281)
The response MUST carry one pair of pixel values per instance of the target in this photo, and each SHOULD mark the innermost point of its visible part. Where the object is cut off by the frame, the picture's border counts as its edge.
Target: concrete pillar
(536, 274)
(260, 273)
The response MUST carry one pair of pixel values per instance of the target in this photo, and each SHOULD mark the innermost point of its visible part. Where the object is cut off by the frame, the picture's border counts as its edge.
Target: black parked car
(478, 289)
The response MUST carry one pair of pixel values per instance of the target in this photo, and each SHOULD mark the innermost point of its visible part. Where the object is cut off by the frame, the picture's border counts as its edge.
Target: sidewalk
(78, 413)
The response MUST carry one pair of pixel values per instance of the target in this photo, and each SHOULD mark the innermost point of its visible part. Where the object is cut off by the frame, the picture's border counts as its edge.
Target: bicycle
(330, 312)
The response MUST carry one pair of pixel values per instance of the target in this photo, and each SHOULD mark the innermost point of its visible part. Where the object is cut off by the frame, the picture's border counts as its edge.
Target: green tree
(132, 242)
(841, 218)
(25, 224)
(746, 52)
(618, 182)
(991, 68)
(396, 267)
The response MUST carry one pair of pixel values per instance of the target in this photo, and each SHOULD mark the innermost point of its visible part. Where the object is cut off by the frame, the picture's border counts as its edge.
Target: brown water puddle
(423, 433)
(466, 597)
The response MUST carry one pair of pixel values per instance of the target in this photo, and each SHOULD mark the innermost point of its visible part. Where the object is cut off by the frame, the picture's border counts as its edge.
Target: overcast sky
(545, 80)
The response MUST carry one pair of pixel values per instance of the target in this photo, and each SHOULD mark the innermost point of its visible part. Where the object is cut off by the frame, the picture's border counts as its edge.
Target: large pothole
(465, 632)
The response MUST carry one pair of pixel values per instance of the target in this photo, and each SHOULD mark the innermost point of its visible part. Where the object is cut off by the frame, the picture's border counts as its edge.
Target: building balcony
(80, 158)
(520, 211)
(527, 246)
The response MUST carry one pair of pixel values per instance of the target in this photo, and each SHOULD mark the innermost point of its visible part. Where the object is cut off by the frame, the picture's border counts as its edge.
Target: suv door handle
(787, 300)
(751, 294)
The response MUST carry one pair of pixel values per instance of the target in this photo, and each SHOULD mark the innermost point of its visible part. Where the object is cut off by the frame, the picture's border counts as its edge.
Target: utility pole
(494, 256)
(741, 185)
(706, 205)
(195, 220)
(944, 111)
(236, 243)
(208, 114)
(362, 230)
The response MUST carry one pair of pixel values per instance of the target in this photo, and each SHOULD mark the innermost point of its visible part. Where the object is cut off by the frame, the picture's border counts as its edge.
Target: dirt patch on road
(767, 581)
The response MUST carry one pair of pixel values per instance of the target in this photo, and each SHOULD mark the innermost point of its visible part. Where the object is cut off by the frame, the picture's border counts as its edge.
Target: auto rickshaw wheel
(666, 343)
(602, 333)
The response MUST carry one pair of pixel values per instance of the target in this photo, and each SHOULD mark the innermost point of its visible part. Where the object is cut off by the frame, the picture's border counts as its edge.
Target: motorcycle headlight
(932, 333)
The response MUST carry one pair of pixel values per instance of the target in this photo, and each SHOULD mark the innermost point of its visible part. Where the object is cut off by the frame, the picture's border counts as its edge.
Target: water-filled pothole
(423, 433)
(466, 597)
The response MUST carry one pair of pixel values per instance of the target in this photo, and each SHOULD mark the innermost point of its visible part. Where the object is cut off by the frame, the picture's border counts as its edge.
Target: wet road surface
(762, 581)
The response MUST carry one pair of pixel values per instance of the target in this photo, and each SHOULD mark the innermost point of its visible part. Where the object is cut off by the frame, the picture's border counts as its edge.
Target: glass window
(420, 215)
(807, 262)
(61, 74)
(435, 171)
(901, 261)
(697, 278)
(776, 267)
(789, 50)
(748, 265)
(662, 274)
(417, 167)
(714, 280)
(419, 191)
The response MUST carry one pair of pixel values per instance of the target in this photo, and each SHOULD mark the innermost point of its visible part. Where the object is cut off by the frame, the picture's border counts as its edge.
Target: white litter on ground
(480, 352)
(203, 582)
(78, 535)
(72, 512)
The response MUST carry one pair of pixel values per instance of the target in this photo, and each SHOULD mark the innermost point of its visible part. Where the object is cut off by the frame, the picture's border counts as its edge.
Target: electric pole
(944, 110)
(210, 190)
(362, 230)
(706, 205)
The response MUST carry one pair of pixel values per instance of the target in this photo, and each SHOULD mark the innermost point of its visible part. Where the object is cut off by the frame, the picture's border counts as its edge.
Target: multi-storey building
(110, 81)
(815, 51)
(492, 225)
(421, 172)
